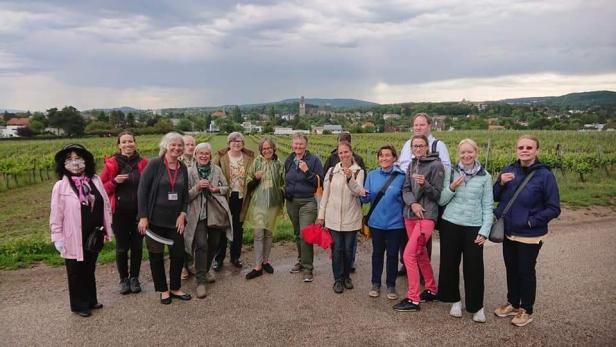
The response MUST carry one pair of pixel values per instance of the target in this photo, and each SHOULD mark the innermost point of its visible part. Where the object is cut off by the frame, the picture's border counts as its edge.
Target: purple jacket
(65, 217)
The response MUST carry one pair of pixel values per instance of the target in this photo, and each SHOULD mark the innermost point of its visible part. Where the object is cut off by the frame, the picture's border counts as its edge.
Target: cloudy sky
(155, 54)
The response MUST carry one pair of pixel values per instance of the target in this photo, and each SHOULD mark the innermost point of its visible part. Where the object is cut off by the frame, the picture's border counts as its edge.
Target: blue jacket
(387, 215)
(537, 204)
(298, 184)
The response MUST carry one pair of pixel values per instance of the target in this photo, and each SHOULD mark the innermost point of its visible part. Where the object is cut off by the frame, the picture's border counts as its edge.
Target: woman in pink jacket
(80, 212)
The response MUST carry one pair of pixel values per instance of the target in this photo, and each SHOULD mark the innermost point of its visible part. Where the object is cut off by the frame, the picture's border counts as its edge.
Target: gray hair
(268, 140)
(235, 136)
(300, 136)
(166, 140)
(202, 146)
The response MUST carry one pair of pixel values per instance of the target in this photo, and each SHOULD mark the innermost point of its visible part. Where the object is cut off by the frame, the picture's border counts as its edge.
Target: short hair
(424, 138)
(126, 132)
(202, 146)
(529, 137)
(300, 136)
(423, 114)
(345, 143)
(234, 136)
(268, 140)
(186, 137)
(344, 136)
(389, 147)
(168, 138)
(469, 142)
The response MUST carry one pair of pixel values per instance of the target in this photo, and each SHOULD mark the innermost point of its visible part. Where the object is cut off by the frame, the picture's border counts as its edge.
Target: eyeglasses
(419, 146)
(528, 148)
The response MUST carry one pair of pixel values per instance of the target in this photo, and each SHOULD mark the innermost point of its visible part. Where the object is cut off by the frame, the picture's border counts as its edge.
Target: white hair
(202, 146)
(166, 140)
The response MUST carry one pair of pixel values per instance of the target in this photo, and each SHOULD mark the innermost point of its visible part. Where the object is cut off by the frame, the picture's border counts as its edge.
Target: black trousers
(235, 250)
(157, 260)
(128, 241)
(520, 260)
(82, 282)
(456, 242)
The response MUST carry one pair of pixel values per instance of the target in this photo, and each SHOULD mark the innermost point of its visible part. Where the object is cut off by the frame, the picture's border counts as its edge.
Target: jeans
(302, 212)
(416, 256)
(520, 260)
(235, 249)
(157, 260)
(82, 282)
(342, 253)
(458, 241)
(385, 240)
(263, 239)
(206, 243)
(128, 240)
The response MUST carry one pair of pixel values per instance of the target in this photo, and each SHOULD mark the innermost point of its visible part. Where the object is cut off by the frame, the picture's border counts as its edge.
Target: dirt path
(576, 304)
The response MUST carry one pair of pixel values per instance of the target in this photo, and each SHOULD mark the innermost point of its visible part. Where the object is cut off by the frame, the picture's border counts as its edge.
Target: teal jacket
(471, 204)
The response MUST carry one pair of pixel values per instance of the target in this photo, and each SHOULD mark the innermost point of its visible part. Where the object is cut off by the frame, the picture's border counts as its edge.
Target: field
(583, 168)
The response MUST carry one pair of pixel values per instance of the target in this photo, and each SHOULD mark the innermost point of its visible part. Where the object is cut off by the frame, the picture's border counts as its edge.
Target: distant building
(219, 114)
(283, 131)
(438, 122)
(496, 127)
(13, 124)
(388, 116)
(213, 127)
(594, 126)
(391, 129)
(55, 131)
(249, 127)
(302, 106)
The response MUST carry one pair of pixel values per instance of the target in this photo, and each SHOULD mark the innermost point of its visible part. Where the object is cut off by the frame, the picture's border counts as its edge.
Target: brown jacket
(222, 159)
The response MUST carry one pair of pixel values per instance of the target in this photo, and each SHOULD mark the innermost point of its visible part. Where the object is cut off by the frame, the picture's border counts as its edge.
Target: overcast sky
(156, 54)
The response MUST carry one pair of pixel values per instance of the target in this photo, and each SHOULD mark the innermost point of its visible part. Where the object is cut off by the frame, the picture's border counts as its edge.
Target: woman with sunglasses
(526, 225)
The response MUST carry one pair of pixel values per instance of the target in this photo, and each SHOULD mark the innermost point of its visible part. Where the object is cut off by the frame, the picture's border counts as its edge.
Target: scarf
(83, 187)
(468, 174)
(204, 174)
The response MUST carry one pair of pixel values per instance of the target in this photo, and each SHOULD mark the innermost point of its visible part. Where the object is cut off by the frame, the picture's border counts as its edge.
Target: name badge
(173, 196)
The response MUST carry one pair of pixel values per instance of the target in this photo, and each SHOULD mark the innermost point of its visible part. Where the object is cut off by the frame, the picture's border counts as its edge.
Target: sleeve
(487, 202)
(355, 183)
(447, 194)
(328, 163)
(405, 156)
(407, 192)
(56, 215)
(222, 183)
(432, 187)
(325, 197)
(185, 190)
(551, 203)
(108, 175)
(314, 171)
(193, 188)
(251, 181)
(443, 153)
(498, 189)
(143, 191)
(368, 187)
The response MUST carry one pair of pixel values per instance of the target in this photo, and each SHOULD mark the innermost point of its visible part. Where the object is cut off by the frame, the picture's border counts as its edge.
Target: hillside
(596, 98)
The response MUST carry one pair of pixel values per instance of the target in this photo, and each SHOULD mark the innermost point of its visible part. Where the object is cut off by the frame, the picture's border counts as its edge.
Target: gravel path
(576, 304)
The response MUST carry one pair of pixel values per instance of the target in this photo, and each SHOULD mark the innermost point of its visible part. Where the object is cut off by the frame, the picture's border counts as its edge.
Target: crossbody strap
(381, 193)
(517, 192)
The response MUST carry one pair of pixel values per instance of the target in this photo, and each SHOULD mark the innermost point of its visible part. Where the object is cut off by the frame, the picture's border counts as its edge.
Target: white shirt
(406, 155)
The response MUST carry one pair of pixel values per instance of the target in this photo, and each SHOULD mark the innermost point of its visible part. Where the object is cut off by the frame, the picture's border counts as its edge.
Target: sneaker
(124, 286)
(201, 291)
(506, 310)
(308, 277)
(522, 318)
(348, 284)
(406, 305)
(237, 263)
(427, 295)
(402, 271)
(391, 293)
(297, 268)
(456, 309)
(254, 274)
(375, 291)
(209, 277)
(338, 287)
(479, 316)
(135, 286)
(268, 268)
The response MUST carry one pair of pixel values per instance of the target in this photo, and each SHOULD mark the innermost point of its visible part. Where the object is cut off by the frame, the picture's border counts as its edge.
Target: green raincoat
(267, 198)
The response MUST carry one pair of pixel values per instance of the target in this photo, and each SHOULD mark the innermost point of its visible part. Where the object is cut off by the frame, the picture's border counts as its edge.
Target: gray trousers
(302, 212)
(263, 245)
(206, 244)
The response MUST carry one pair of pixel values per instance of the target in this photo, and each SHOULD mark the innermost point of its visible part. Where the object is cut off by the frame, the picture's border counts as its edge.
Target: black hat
(73, 147)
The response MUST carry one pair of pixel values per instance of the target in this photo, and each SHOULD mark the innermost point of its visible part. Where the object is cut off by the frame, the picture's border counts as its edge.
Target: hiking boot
(201, 291)
(268, 268)
(209, 277)
(391, 293)
(254, 274)
(135, 286)
(338, 287)
(308, 276)
(427, 295)
(375, 291)
(124, 286)
(297, 268)
(506, 310)
(348, 284)
(479, 316)
(406, 305)
(522, 318)
(456, 310)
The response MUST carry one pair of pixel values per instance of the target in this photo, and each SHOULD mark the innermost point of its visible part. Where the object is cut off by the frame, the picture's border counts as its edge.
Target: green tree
(236, 115)
(117, 119)
(69, 119)
(37, 126)
(184, 125)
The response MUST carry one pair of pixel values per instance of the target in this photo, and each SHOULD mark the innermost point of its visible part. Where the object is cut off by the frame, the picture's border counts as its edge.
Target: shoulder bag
(497, 232)
(365, 229)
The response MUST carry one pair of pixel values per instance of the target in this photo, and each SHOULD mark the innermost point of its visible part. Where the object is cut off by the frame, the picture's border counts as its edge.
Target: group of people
(196, 201)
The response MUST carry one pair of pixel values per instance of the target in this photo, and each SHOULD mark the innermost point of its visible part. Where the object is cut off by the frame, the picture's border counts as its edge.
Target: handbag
(94, 242)
(497, 231)
(217, 216)
(365, 229)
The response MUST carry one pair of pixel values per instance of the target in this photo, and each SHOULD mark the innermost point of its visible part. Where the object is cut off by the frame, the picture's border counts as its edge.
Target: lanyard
(173, 178)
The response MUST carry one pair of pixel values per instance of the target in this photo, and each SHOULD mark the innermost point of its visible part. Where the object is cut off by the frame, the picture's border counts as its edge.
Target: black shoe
(217, 266)
(253, 274)
(237, 263)
(183, 297)
(135, 286)
(402, 271)
(84, 313)
(427, 295)
(353, 269)
(268, 268)
(124, 286)
(348, 284)
(96, 306)
(165, 301)
(338, 287)
(406, 305)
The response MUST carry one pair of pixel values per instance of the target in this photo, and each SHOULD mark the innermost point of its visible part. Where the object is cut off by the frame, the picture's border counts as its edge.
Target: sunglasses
(528, 148)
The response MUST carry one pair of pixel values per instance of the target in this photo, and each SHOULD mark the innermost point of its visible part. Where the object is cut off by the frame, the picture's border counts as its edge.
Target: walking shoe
(217, 266)
(406, 305)
(237, 263)
(297, 268)
(348, 284)
(308, 276)
(268, 268)
(427, 295)
(338, 287)
(479, 316)
(84, 313)
(375, 291)
(456, 309)
(402, 271)
(254, 274)
(209, 277)
(201, 291)
(522, 318)
(124, 286)
(506, 310)
(135, 286)
(391, 293)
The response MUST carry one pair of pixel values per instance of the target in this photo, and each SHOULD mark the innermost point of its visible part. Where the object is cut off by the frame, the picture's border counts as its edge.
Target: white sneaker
(456, 309)
(479, 316)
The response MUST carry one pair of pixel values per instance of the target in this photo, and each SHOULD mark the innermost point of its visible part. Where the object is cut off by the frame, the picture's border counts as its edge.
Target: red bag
(316, 234)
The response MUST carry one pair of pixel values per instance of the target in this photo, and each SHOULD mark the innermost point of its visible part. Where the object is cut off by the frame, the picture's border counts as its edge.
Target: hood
(430, 157)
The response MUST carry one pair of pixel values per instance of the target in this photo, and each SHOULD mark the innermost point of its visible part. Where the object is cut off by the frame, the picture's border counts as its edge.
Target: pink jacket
(65, 217)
